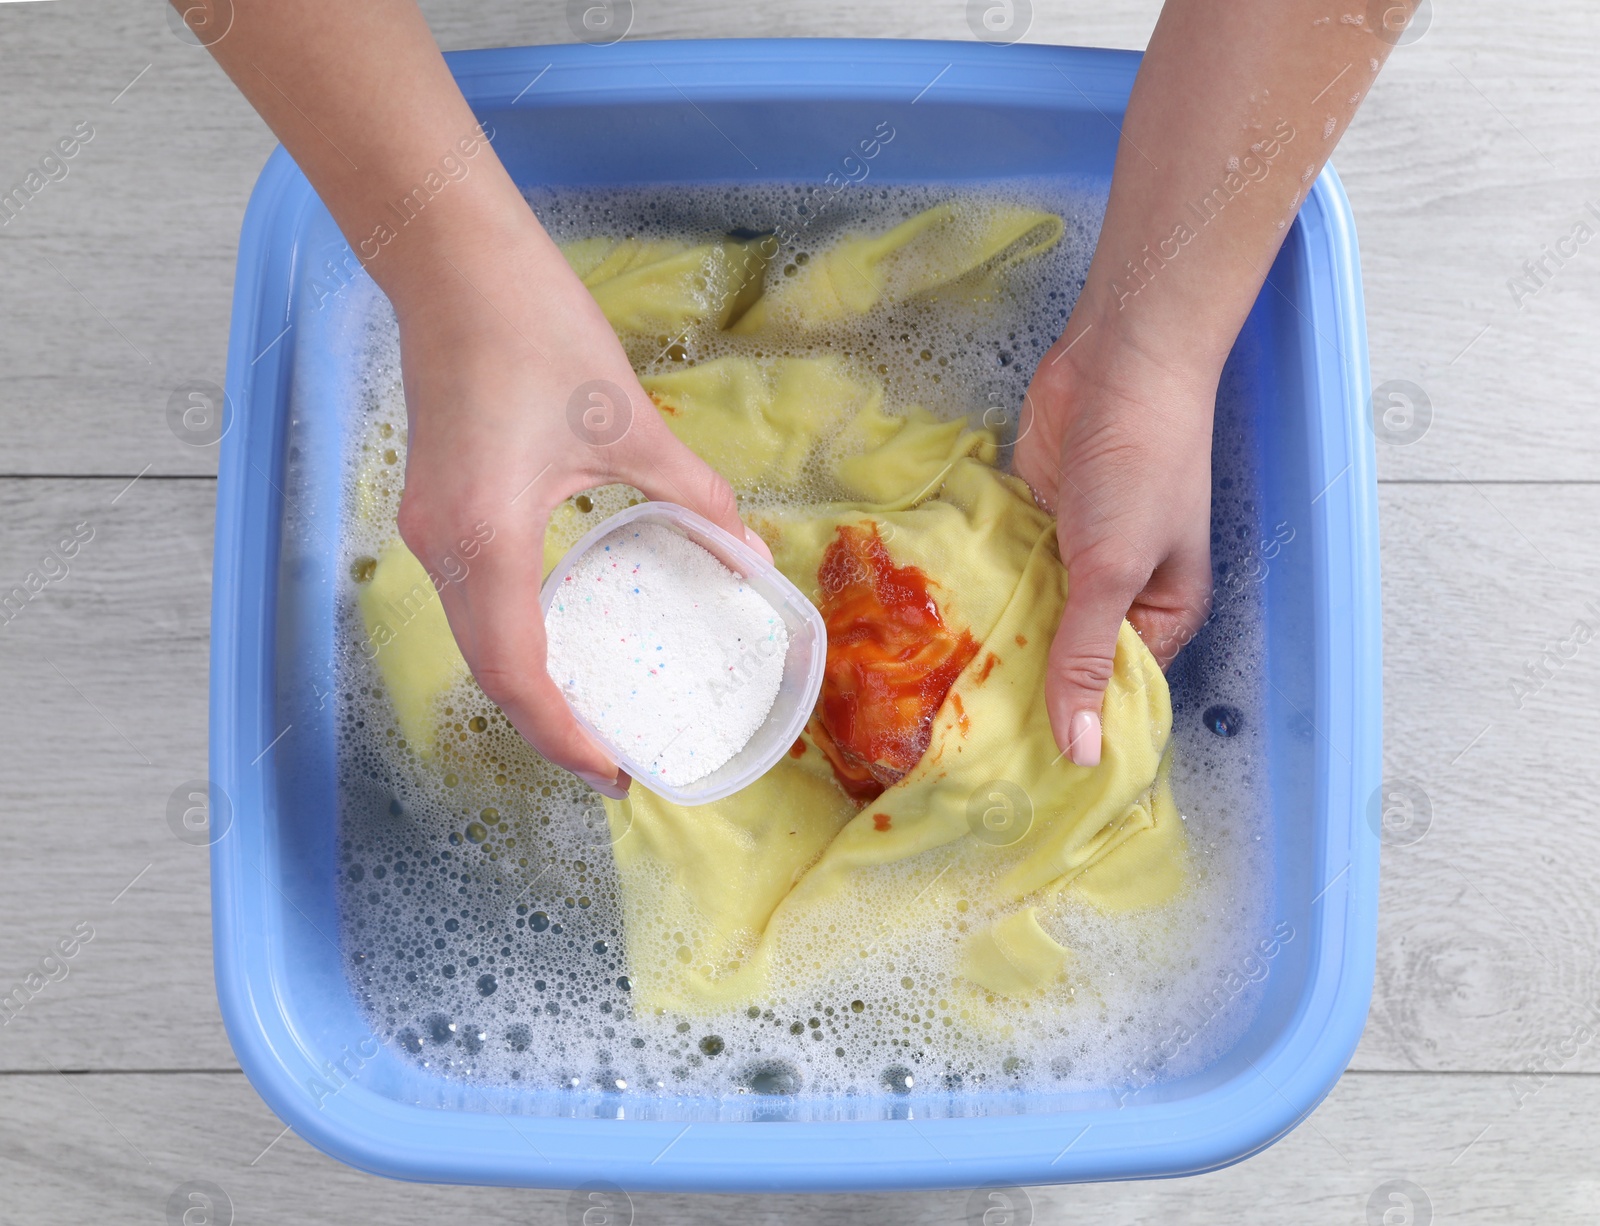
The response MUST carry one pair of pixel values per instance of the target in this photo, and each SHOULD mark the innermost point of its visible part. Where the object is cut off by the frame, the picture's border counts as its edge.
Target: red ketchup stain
(989, 662)
(891, 661)
(963, 722)
(798, 749)
(880, 821)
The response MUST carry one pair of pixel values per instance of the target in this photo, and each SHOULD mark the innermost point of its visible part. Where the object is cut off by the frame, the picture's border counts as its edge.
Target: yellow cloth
(661, 287)
(789, 882)
(409, 638)
(945, 248)
(1013, 956)
(763, 425)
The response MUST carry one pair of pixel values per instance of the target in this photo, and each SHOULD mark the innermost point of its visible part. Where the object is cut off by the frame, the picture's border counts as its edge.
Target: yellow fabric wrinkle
(1014, 956)
(409, 637)
(662, 287)
(952, 246)
(739, 415)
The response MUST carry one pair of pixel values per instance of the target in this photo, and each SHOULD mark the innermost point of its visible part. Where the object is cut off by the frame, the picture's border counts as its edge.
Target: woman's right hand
(1119, 448)
(518, 396)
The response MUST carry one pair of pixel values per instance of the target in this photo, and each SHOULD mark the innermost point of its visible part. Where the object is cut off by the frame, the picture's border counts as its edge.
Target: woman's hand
(1120, 449)
(519, 395)
(1235, 107)
(517, 390)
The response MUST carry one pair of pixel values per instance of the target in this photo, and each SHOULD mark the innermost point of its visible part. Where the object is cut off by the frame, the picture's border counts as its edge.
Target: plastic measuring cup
(802, 666)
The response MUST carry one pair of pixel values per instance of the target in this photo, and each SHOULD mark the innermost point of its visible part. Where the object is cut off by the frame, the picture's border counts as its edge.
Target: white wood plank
(119, 277)
(1489, 953)
(114, 1148)
(105, 715)
(1470, 157)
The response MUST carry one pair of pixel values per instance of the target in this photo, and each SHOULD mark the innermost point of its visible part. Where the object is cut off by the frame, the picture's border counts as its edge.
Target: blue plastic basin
(697, 112)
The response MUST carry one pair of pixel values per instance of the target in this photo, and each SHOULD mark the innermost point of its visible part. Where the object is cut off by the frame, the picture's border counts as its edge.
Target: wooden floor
(1475, 152)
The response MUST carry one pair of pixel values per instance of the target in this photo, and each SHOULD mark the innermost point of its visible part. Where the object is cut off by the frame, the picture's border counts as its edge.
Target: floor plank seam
(107, 476)
(120, 1072)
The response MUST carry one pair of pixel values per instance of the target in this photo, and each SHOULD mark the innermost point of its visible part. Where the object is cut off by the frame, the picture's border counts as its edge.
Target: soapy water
(481, 917)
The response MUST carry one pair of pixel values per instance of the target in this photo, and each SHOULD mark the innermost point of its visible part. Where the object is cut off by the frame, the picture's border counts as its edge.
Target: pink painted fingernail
(1083, 739)
(616, 788)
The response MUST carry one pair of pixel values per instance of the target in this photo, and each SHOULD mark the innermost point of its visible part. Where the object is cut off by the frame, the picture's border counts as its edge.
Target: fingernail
(616, 788)
(1083, 739)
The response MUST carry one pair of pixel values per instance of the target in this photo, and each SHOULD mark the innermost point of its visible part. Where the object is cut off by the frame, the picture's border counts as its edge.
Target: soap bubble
(772, 1077)
(594, 827)
(439, 1027)
(898, 1079)
(1224, 720)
